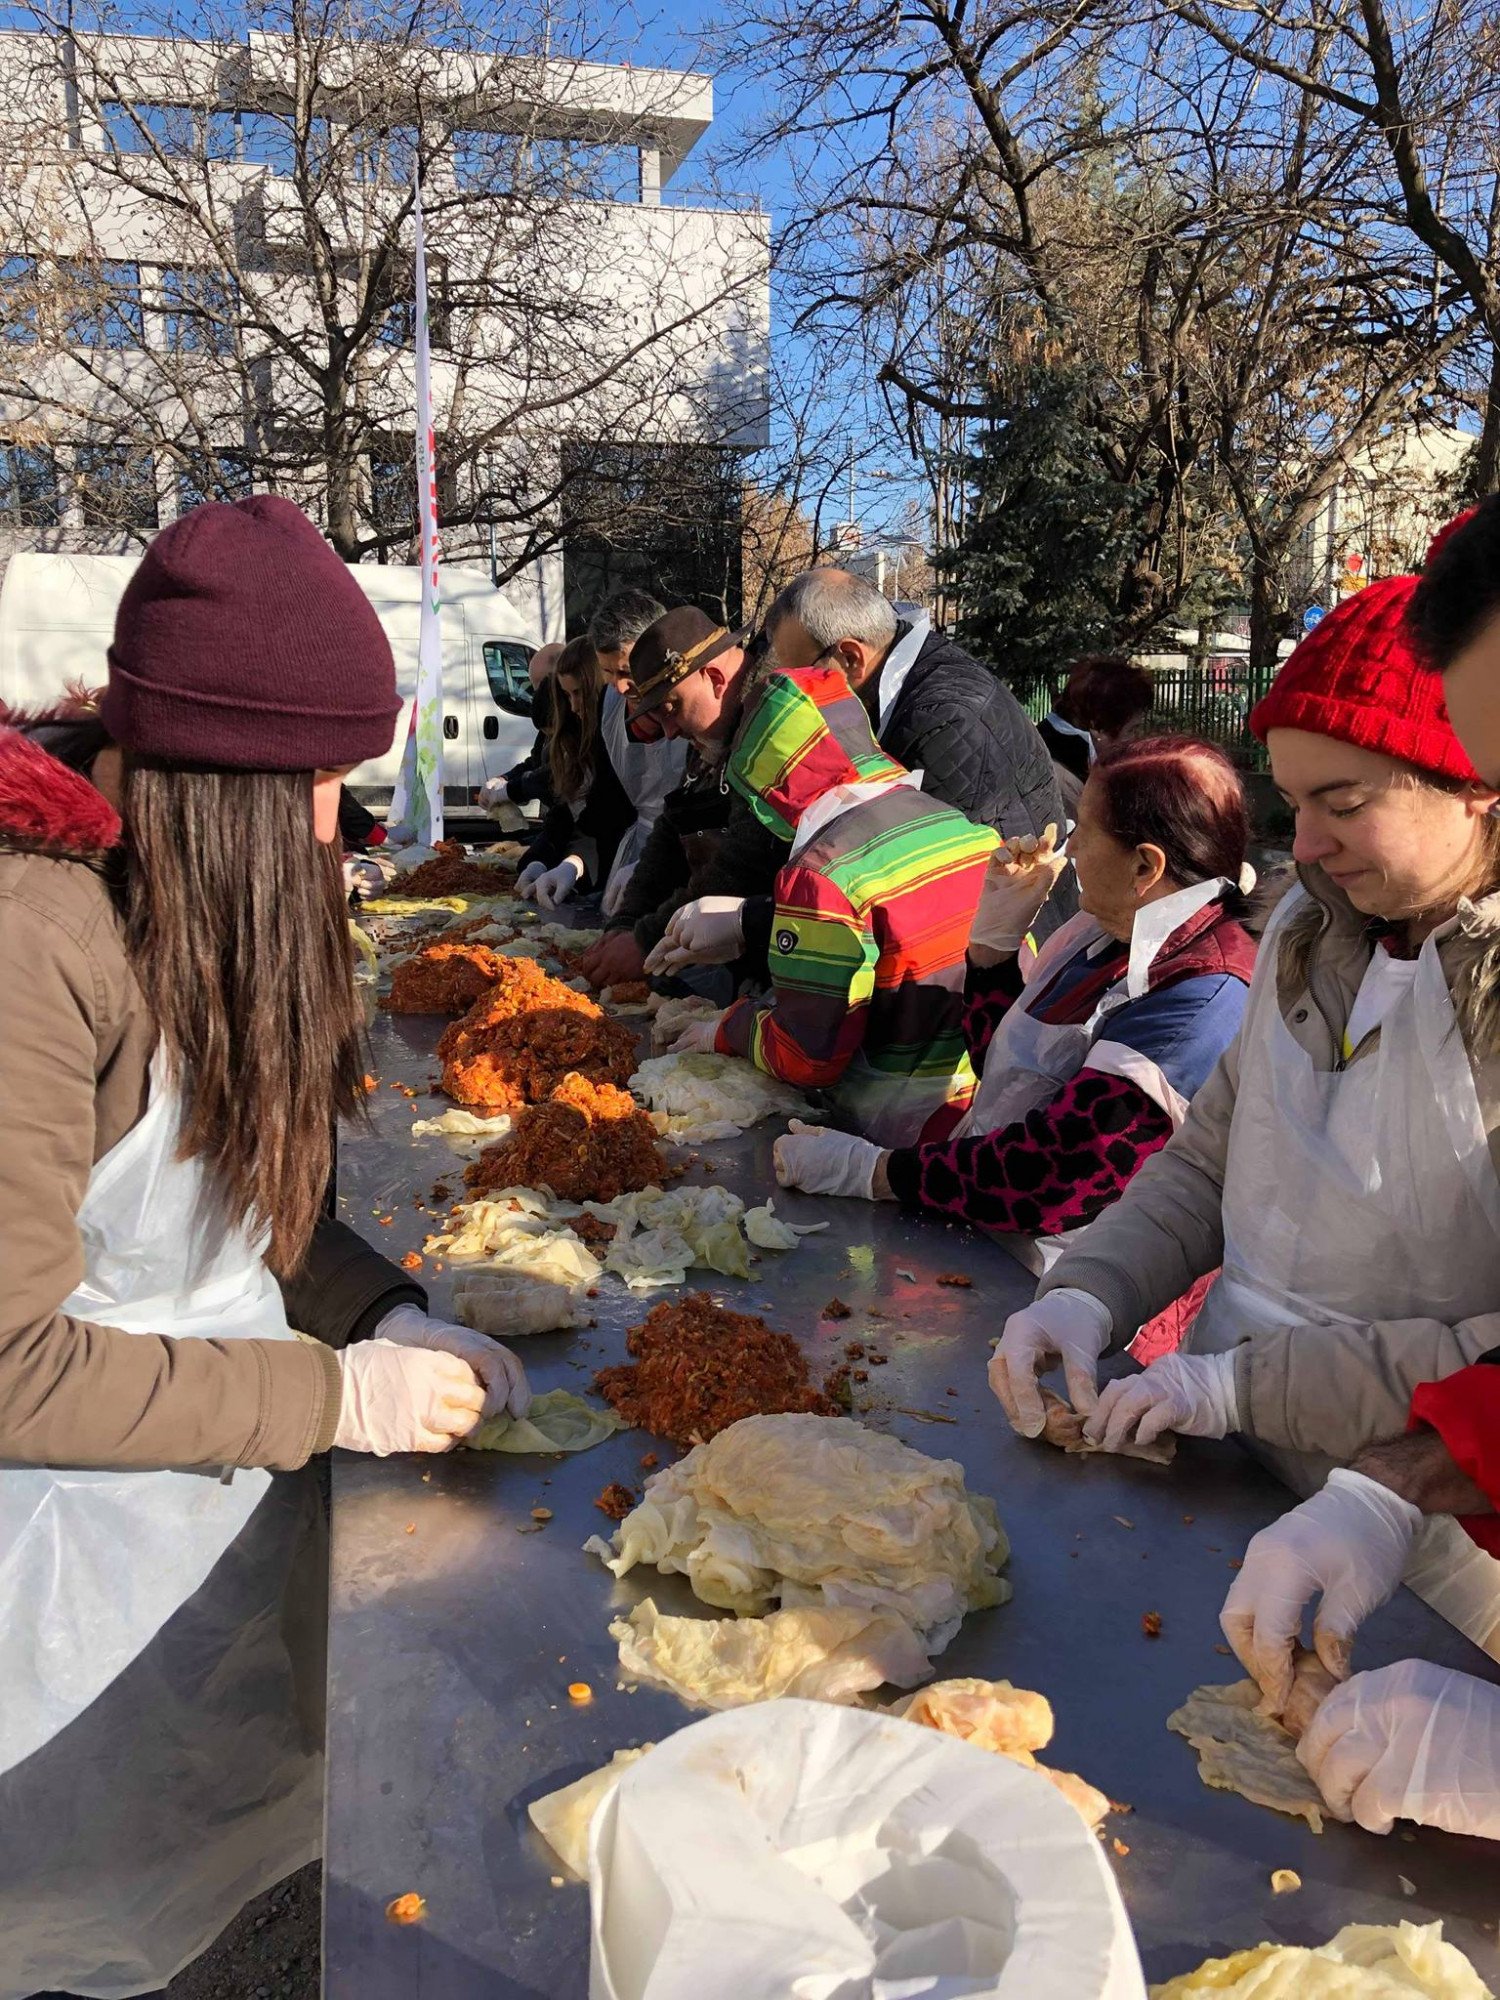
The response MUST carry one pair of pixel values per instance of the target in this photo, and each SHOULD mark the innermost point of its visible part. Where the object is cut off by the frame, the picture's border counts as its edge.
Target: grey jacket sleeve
(1335, 1389)
(1167, 1230)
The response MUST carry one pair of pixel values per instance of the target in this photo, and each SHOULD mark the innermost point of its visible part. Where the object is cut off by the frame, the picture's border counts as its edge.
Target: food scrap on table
(616, 1500)
(1364, 1962)
(699, 1368)
(441, 978)
(407, 1909)
(814, 1652)
(1285, 1881)
(956, 1279)
(412, 1261)
(767, 1231)
(1151, 1624)
(580, 1693)
(808, 1510)
(1010, 1721)
(587, 1142)
(521, 1038)
(836, 1309)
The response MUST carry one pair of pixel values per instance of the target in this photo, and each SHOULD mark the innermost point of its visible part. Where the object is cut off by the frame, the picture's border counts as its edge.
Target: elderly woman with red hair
(1089, 1051)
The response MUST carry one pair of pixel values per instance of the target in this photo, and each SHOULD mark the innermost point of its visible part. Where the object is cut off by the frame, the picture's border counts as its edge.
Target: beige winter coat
(1324, 1389)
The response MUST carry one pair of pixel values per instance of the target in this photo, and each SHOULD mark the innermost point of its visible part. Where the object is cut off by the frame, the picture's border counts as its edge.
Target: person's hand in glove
(1067, 1325)
(405, 1399)
(494, 792)
(503, 1377)
(828, 1162)
(1411, 1741)
(698, 1037)
(1021, 875)
(363, 878)
(614, 894)
(1346, 1546)
(709, 931)
(1192, 1394)
(553, 888)
(528, 878)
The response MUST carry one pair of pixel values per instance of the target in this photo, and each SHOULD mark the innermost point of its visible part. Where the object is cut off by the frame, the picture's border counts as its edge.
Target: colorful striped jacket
(872, 916)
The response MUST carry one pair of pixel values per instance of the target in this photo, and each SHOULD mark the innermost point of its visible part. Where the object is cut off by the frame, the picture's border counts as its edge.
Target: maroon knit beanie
(1357, 677)
(243, 641)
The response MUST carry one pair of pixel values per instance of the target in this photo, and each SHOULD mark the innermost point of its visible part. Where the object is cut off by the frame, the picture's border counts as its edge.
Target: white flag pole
(418, 795)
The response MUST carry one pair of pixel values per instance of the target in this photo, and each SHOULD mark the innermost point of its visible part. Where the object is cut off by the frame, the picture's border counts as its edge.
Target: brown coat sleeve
(74, 1393)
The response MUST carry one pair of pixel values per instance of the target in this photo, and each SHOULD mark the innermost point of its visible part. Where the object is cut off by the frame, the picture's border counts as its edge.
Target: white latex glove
(1193, 1394)
(493, 792)
(826, 1162)
(1069, 1326)
(399, 834)
(698, 1037)
(710, 931)
(504, 1379)
(365, 878)
(556, 885)
(1346, 1546)
(528, 878)
(1020, 877)
(402, 1399)
(1412, 1741)
(614, 894)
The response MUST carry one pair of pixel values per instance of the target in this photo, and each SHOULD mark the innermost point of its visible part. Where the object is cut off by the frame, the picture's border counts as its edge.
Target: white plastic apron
(1361, 1194)
(1029, 1061)
(95, 1564)
(646, 771)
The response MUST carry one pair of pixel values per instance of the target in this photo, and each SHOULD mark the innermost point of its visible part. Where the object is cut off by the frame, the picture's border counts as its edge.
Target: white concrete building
(206, 285)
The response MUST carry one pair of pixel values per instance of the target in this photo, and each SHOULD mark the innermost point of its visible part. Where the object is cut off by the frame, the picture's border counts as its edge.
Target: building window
(101, 304)
(116, 486)
(395, 301)
(198, 310)
(18, 298)
(28, 486)
(224, 476)
(387, 157)
(180, 131)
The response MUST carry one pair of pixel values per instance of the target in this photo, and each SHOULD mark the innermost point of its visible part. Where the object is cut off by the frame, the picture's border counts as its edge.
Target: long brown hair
(238, 931)
(571, 741)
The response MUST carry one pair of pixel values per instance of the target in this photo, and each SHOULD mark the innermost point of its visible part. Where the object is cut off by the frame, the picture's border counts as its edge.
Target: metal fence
(1212, 701)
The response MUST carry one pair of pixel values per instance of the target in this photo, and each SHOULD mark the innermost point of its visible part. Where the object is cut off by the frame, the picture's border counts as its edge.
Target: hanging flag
(418, 797)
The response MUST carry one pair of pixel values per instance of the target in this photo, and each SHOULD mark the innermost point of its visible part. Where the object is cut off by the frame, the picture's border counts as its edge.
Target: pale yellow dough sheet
(1364, 1962)
(1241, 1750)
(1013, 1722)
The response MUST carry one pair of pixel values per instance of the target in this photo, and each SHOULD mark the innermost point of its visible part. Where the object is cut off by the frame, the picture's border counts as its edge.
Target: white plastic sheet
(794, 1851)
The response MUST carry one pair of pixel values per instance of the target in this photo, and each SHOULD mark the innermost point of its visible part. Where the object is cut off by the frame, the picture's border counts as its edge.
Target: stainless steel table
(458, 1623)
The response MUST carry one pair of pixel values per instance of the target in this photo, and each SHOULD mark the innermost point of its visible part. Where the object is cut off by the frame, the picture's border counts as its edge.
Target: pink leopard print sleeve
(1055, 1169)
(989, 993)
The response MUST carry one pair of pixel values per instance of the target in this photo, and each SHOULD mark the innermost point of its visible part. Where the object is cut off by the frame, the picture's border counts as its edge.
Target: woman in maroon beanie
(180, 1037)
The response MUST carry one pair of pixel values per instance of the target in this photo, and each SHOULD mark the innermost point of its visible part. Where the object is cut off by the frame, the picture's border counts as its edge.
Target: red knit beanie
(243, 641)
(1355, 677)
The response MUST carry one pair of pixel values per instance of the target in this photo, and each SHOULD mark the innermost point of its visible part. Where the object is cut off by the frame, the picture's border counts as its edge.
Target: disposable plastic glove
(1020, 877)
(826, 1162)
(698, 1037)
(710, 931)
(1347, 1546)
(528, 878)
(504, 1379)
(1412, 1741)
(1069, 1326)
(614, 894)
(404, 1399)
(494, 792)
(361, 877)
(555, 887)
(1193, 1394)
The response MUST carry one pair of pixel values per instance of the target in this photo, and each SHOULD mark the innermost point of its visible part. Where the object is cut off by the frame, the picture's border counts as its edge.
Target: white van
(57, 616)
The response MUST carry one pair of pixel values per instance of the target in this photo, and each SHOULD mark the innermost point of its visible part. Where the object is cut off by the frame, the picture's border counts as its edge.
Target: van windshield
(505, 666)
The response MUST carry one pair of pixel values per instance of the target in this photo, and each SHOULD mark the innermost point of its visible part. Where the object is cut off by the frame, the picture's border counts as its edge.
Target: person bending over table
(181, 1034)
(1091, 1050)
(872, 913)
(1340, 1164)
(1413, 1740)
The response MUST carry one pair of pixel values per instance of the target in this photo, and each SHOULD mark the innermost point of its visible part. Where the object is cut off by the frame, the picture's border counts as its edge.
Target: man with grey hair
(934, 709)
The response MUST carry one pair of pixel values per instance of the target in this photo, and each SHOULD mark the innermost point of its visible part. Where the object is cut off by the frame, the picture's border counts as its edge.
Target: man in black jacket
(934, 709)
